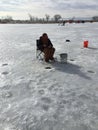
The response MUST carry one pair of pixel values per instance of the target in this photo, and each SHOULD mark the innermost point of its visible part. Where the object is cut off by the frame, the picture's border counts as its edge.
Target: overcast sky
(19, 9)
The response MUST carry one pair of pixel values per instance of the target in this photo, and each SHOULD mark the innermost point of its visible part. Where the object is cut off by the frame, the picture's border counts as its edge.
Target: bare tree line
(32, 19)
(47, 19)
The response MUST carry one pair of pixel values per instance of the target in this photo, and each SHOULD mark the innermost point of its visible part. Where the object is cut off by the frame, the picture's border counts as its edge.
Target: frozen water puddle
(42, 66)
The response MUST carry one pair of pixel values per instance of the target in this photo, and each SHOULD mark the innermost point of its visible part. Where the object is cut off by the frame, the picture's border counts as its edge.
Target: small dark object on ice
(71, 59)
(4, 64)
(47, 67)
(67, 40)
(90, 71)
(5, 73)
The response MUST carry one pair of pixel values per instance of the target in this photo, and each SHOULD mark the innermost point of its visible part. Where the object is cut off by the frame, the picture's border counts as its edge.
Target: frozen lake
(62, 98)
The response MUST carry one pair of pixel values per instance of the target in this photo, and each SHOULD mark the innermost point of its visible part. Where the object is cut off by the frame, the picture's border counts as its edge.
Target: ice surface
(64, 97)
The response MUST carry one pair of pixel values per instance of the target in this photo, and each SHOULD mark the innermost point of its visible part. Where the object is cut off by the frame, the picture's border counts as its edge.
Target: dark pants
(48, 54)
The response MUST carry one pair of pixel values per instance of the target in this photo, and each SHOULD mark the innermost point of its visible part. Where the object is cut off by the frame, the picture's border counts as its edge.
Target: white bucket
(63, 57)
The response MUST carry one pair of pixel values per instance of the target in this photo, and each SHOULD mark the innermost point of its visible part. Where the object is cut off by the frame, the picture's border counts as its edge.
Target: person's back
(47, 47)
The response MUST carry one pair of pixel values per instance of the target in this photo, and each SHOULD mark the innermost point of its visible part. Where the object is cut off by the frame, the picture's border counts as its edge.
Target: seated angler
(46, 47)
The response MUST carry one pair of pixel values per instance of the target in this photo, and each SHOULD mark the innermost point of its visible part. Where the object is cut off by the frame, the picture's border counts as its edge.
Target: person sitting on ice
(46, 47)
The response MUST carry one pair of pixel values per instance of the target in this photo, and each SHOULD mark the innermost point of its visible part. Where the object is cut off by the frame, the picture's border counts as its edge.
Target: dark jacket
(41, 44)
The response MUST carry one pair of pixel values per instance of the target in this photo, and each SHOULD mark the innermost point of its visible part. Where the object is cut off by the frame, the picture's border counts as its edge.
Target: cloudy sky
(19, 9)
